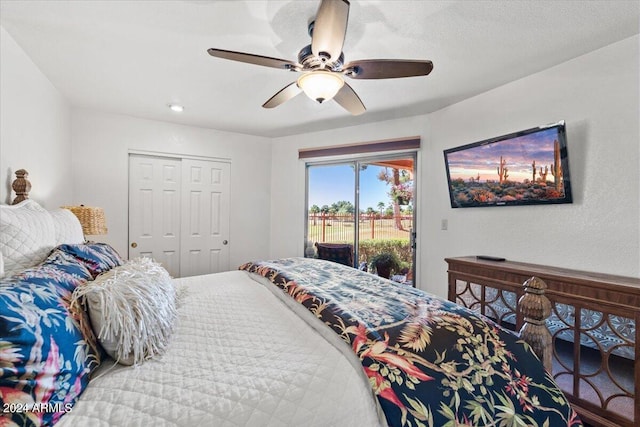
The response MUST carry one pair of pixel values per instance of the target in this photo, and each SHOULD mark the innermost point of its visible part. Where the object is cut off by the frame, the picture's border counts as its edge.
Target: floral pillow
(53, 265)
(97, 257)
(48, 349)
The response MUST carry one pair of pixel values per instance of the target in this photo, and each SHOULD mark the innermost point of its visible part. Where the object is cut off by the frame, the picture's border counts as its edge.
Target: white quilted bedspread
(239, 357)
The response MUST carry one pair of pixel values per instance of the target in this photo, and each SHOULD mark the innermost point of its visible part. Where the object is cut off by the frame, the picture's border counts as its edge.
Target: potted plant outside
(385, 263)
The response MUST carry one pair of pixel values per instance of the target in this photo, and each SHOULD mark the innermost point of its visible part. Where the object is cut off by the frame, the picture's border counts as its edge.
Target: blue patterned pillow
(48, 349)
(97, 257)
(52, 266)
(67, 263)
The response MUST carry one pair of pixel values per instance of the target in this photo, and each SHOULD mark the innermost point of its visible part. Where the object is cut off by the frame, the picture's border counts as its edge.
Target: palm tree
(395, 178)
(314, 210)
(381, 207)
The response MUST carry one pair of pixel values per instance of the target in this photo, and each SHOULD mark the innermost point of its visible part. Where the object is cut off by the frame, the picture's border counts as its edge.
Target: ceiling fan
(322, 63)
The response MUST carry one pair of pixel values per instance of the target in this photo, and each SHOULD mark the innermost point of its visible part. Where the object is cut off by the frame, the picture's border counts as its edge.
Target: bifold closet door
(205, 224)
(154, 210)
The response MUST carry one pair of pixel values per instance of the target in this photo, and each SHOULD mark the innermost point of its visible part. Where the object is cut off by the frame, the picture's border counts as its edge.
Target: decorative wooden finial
(535, 308)
(21, 186)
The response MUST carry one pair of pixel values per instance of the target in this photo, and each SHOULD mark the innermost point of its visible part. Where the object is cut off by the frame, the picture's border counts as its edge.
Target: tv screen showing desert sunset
(526, 168)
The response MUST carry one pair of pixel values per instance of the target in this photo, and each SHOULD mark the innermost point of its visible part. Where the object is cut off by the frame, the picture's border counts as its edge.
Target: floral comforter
(430, 362)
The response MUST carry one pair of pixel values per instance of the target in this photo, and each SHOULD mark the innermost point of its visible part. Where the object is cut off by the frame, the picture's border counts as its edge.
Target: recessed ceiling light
(177, 108)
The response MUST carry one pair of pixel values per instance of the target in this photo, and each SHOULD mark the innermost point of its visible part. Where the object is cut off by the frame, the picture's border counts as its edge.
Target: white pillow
(132, 310)
(67, 227)
(27, 235)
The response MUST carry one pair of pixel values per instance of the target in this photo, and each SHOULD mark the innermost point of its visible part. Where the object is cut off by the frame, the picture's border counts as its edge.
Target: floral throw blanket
(430, 362)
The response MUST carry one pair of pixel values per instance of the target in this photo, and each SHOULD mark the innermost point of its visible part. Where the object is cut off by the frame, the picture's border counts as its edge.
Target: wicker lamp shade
(91, 218)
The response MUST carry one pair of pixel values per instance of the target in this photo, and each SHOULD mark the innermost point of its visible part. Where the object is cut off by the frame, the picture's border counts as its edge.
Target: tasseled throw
(132, 310)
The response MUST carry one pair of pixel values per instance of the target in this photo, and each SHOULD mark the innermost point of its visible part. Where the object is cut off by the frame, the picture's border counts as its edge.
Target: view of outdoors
(385, 218)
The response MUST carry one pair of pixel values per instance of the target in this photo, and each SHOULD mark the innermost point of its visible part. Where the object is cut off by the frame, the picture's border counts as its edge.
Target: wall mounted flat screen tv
(522, 168)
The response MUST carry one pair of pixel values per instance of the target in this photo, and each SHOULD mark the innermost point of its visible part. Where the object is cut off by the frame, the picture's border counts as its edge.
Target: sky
(332, 183)
(519, 154)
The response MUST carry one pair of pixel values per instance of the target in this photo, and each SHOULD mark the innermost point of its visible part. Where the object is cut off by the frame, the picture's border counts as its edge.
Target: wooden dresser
(601, 376)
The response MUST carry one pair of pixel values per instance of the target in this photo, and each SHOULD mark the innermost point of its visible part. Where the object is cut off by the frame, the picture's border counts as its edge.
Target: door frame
(357, 160)
(177, 155)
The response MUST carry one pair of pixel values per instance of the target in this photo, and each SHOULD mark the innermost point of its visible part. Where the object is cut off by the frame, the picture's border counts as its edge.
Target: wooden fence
(341, 228)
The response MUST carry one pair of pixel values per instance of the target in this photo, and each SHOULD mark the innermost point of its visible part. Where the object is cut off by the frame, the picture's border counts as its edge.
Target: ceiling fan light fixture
(320, 85)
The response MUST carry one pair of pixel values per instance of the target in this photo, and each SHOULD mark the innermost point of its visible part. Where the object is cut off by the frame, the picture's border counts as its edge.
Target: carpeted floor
(616, 380)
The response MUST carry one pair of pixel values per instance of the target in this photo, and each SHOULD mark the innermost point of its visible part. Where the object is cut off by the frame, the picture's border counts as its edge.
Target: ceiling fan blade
(387, 68)
(349, 100)
(250, 58)
(285, 94)
(330, 28)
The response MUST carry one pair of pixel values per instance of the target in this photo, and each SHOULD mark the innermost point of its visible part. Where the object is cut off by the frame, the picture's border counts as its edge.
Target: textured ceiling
(135, 57)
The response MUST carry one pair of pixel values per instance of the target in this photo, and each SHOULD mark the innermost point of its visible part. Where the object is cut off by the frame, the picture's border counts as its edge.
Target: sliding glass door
(368, 206)
(330, 191)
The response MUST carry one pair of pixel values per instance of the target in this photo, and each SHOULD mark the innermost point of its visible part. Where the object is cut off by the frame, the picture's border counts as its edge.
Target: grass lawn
(338, 230)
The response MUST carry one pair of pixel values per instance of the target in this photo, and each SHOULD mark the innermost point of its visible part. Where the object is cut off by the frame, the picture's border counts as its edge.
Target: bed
(283, 342)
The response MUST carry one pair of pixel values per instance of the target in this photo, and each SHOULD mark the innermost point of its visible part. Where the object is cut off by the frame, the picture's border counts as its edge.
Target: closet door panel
(205, 238)
(154, 210)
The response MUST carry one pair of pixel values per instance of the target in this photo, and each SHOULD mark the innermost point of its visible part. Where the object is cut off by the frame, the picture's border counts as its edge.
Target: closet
(179, 212)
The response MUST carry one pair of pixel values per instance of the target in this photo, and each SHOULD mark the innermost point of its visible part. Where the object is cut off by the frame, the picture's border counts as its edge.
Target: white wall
(596, 94)
(34, 129)
(101, 143)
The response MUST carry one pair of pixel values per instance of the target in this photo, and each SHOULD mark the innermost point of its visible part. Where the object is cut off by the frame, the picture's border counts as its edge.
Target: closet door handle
(134, 245)
(224, 242)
